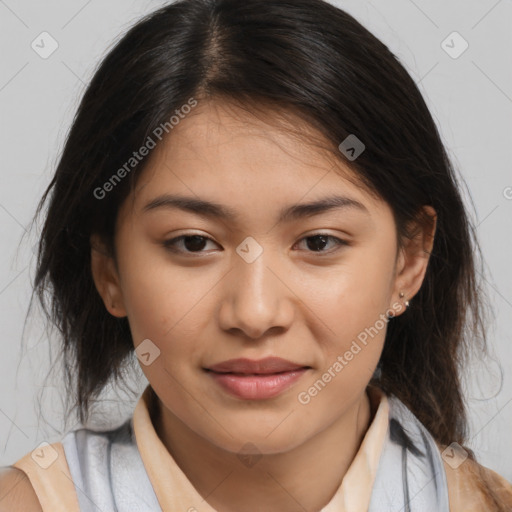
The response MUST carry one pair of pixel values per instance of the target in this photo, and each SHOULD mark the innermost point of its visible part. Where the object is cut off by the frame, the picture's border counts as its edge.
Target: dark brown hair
(311, 59)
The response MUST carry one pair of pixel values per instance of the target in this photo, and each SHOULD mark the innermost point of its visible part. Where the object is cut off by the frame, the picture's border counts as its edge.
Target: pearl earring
(407, 303)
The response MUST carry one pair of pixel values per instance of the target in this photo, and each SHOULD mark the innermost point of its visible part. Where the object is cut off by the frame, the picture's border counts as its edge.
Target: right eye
(187, 243)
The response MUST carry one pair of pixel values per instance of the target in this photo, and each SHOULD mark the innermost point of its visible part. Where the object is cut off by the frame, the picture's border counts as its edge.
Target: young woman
(255, 201)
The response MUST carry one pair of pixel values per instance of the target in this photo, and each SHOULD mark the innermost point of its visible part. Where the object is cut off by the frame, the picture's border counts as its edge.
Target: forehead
(230, 156)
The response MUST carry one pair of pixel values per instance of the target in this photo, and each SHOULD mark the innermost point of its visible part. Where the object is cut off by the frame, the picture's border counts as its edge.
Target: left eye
(319, 240)
(195, 243)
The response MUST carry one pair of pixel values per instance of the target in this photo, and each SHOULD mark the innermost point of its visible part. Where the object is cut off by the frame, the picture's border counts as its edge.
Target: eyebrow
(290, 213)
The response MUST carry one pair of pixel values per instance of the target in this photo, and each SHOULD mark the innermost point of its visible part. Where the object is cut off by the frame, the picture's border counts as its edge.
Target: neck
(306, 477)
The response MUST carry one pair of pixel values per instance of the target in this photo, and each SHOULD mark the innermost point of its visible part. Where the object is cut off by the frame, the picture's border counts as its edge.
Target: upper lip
(267, 365)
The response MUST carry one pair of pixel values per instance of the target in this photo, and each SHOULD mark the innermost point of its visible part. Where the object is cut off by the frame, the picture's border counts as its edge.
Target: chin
(259, 441)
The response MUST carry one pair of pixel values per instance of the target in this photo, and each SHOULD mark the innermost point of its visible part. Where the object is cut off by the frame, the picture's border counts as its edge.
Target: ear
(413, 258)
(106, 277)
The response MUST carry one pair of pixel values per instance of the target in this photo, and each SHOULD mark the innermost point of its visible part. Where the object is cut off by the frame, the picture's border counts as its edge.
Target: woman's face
(259, 282)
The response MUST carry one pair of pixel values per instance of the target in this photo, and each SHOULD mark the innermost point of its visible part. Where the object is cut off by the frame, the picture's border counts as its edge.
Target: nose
(256, 298)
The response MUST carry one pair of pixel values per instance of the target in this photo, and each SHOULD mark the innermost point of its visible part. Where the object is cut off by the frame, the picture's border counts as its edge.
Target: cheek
(355, 294)
(156, 294)
(350, 357)
(164, 306)
(371, 278)
(167, 304)
(353, 307)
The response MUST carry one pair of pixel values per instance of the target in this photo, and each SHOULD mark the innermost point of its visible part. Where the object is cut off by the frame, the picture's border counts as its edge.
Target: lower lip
(257, 387)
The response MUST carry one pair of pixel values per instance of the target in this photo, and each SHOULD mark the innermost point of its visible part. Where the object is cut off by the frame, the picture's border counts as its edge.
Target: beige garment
(56, 492)
(48, 472)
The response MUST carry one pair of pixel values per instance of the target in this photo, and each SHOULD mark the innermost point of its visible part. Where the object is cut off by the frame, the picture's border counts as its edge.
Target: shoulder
(473, 487)
(17, 493)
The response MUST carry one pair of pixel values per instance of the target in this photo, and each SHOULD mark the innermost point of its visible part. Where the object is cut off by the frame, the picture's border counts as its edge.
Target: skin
(292, 302)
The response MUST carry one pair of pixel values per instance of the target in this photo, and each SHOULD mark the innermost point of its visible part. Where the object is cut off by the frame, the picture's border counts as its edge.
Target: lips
(268, 365)
(249, 379)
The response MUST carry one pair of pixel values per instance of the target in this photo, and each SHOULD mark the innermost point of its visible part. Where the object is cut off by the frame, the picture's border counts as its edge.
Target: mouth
(256, 380)
(244, 374)
(266, 366)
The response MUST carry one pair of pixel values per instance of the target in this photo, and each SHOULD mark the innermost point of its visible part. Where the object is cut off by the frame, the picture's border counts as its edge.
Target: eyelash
(171, 244)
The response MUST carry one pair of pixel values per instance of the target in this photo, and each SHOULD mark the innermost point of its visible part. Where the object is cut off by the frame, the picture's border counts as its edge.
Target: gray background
(469, 96)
